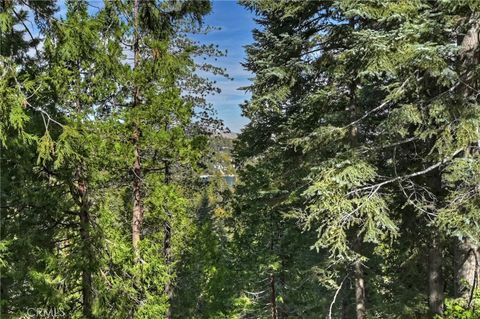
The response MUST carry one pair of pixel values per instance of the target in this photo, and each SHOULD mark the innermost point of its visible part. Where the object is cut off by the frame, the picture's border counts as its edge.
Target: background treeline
(359, 173)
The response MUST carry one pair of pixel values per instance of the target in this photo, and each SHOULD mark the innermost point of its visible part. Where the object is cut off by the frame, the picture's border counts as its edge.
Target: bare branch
(378, 108)
(404, 177)
(335, 297)
(405, 141)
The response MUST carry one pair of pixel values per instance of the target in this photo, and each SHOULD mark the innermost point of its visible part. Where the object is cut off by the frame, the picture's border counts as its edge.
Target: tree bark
(273, 296)
(3, 296)
(470, 41)
(137, 214)
(466, 252)
(282, 310)
(345, 302)
(435, 278)
(79, 191)
(466, 270)
(167, 247)
(86, 272)
(168, 260)
(360, 300)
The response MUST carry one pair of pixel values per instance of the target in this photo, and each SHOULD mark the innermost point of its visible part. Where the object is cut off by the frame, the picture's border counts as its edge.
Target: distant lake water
(229, 179)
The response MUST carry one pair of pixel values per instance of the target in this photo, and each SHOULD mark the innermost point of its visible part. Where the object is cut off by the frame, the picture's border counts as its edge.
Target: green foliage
(66, 126)
(457, 310)
(364, 128)
(360, 162)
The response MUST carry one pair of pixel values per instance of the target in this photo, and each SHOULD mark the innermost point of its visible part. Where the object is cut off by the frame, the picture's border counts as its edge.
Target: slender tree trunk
(435, 278)
(436, 295)
(466, 269)
(86, 241)
(345, 301)
(137, 214)
(359, 275)
(467, 254)
(283, 311)
(360, 299)
(470, 41)
(167, 247)
(79, 191)
(3, 296)
(273, 293)
(466, 266)
(273, 296)
(168, 260)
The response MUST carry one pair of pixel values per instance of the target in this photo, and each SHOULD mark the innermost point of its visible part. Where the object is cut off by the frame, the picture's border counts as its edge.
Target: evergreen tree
(358, 175)
(365, 118)
(80, 95)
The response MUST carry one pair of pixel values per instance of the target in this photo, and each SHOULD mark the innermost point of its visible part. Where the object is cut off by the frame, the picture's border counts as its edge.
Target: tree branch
(404, 177)
(378, 108)
(335, 297)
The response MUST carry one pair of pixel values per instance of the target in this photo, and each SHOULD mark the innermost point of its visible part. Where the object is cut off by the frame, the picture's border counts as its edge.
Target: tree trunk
(3, 296)
(273, 296)
(167, 247)
(360, 299)
(466, 252)
(345, 302)
(273, 293)
(435, 279)
(137, 215)
(86, 272)
(470, 41)
(168, 260)
(466, 270)
(283, 310)
(79, 191)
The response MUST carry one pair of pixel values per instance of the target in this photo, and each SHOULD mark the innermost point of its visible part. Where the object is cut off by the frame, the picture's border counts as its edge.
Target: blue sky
(236, 24)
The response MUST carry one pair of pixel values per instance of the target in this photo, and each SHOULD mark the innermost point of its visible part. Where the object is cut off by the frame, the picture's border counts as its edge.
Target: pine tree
(370, 120)
(357, 191)
(80, 97)
(273, 169)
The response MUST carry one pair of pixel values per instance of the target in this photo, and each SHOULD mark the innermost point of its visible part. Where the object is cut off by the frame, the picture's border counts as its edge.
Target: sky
(235, 23)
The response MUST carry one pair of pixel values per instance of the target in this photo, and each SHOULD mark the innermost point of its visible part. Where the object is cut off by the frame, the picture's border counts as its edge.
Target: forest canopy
(353, 192)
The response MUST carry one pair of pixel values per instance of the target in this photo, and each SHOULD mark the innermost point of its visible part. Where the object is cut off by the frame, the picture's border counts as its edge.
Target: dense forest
(353, 192)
